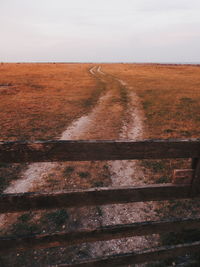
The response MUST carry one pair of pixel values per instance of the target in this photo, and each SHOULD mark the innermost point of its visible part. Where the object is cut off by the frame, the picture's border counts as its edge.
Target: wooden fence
(47, 151)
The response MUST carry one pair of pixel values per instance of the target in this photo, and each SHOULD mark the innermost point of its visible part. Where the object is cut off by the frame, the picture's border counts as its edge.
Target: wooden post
(194, 162)
(195, 189)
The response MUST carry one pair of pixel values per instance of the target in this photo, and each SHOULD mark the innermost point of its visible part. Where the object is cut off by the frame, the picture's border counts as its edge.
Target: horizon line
(101, 62)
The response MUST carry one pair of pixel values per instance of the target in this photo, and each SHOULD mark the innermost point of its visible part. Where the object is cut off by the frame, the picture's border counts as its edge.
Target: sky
(99, 31)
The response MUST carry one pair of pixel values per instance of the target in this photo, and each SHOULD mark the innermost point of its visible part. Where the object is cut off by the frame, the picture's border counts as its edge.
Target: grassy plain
(42, 99)
(170, 95)
(38, 101)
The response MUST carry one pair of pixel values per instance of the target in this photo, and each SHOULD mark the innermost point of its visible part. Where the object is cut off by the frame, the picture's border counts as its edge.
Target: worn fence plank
(96, 196)
(21, 243)
(97, 150)
(138, 257)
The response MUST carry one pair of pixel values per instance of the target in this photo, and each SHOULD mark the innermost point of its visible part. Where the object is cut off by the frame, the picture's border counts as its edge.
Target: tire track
(127, 173)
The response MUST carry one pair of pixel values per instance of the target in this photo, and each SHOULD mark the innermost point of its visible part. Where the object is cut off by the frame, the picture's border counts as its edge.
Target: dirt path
(111, 118)
(126, 173)
(92, 70)
(90, 126)
(36, 171)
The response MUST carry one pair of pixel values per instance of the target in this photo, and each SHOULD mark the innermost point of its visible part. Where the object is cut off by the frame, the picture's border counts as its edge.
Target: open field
(43, 99)
(38, 101)
(88, 101)
(170, 96)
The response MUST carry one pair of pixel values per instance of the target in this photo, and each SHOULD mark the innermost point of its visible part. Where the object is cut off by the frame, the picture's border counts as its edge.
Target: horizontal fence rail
(44, 151)
(138, 257)
(103, 233)
(93, 197)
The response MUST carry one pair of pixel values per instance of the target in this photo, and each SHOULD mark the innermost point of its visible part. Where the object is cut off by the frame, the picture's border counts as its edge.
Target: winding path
(98, 125)
(126, 173)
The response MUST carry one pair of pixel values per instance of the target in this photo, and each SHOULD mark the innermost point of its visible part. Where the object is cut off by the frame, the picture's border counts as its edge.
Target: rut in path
(127, 173)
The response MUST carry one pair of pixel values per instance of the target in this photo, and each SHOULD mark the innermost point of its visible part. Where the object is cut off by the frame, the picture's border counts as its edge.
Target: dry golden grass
(42, 99)
(170, 96)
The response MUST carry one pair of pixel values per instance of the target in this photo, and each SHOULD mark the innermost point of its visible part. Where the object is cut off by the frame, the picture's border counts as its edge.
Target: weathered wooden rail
(97, 150)
(16, 152)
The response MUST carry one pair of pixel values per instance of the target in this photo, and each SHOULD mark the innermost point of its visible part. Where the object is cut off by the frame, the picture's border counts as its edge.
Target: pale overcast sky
(100, 30)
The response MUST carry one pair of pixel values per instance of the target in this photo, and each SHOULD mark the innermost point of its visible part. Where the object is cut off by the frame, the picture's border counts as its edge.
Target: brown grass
(42, 99)
(170, 96)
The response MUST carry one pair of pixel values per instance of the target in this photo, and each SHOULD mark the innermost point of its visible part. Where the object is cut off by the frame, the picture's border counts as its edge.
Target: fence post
(196, 176)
